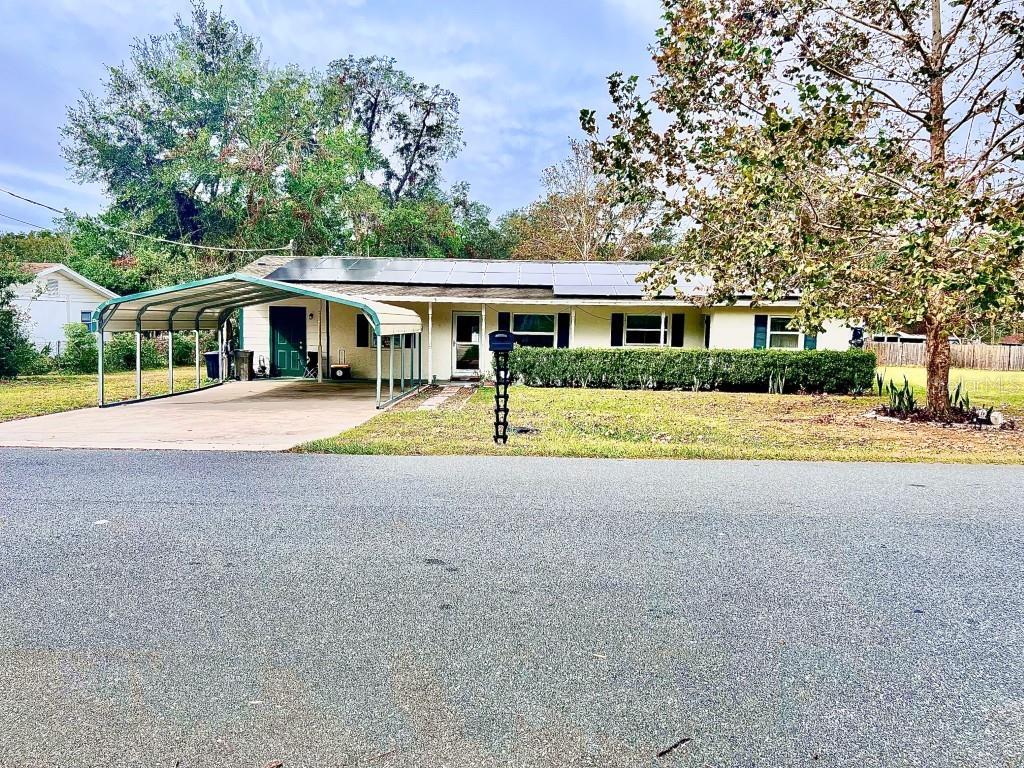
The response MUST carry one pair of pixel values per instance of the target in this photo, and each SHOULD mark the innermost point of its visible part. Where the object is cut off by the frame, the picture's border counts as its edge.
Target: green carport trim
(101, 314)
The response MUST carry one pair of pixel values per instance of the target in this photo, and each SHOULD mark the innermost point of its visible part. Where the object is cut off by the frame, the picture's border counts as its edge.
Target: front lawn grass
(1003, 389)
(719, 425)
(54, 392)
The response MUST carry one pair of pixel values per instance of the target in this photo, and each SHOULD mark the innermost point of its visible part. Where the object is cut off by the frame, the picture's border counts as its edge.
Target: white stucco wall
(46, 314)
(731, 328)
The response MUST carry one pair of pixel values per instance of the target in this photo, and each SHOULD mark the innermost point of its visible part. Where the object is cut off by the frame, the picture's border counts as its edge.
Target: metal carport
(205, 305)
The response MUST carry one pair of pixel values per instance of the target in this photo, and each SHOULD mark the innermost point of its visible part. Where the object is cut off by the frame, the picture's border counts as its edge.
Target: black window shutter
(617, 319)
(678, 329)
(504, 321)
(563, 329)
(760, 331)
(362, 331)
(707, 331)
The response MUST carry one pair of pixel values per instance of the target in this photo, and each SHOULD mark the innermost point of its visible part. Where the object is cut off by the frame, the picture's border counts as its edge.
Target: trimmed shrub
(736, 370)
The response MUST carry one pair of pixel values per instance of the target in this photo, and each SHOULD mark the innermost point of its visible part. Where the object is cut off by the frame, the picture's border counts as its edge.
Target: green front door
(288, 341)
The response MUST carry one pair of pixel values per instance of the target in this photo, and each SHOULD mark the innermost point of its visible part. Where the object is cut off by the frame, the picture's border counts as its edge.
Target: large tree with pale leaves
(864, 155)
(581, 216)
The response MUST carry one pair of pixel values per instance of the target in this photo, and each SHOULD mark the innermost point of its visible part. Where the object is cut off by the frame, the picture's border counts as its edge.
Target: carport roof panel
(198, 305)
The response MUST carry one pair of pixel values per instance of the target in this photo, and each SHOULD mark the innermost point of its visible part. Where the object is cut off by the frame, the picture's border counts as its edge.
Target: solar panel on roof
(595, 279)
(435, 266)
(580, 290)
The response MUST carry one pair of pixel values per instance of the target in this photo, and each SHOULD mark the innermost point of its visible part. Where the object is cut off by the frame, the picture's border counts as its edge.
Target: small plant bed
(900, 402)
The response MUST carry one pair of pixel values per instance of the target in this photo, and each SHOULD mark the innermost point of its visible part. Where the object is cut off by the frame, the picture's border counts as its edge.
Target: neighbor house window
(643, 330)
(534, 330)
(86, 317)
(780, 335)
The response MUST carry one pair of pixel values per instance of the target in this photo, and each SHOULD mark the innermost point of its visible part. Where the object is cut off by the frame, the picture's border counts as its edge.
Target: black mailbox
(500, 341)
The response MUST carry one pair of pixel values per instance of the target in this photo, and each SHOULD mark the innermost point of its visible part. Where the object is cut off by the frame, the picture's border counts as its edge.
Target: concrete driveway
(237, 416)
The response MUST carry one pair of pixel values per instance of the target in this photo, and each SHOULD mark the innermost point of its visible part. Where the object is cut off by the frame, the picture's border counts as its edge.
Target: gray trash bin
(243, 365)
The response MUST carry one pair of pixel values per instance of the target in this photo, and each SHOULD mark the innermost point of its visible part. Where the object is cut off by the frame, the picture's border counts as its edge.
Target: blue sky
(523, 70)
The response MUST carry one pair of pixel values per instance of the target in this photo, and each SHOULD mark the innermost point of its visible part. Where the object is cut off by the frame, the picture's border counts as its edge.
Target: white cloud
(645, 14)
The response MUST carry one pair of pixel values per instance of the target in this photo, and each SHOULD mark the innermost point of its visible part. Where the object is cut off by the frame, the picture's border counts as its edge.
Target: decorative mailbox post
(500, 344)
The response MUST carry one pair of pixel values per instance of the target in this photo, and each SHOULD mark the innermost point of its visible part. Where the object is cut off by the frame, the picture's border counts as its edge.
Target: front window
(781, 336)
(534, 330)
(86, 317)
(643, 330)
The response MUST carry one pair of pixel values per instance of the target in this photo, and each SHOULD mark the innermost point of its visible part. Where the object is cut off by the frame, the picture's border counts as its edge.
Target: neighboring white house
(548, 304)
(56, 296)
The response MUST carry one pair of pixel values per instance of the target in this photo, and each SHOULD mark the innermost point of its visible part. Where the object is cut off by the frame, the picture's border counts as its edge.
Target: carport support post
(320, 343)
(199, 378)
(401, 363)
(138, 365)
(378, 370)
(430, 341)
(419, 358)
(220, 353)
(170, 361)
(391, 368)
(99, 363)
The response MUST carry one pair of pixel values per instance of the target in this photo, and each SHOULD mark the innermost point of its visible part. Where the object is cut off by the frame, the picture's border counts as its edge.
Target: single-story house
(56, 296)
(413, 321)
(545, 304)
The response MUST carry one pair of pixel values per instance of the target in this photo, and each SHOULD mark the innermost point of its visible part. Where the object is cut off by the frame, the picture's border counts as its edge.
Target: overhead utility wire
(145, 236)
(22, 221)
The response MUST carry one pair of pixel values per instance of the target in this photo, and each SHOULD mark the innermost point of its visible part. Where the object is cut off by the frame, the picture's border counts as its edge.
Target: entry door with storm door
(288, 341)
(465, 344)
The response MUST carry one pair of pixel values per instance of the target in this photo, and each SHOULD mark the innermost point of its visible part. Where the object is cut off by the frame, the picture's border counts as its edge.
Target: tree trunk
(936, 330)
(937, 358)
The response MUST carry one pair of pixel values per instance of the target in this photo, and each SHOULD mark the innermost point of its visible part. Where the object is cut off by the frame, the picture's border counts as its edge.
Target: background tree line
(197, 139)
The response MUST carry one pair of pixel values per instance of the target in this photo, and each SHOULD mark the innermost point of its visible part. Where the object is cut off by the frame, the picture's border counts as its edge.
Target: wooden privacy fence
(989, 357)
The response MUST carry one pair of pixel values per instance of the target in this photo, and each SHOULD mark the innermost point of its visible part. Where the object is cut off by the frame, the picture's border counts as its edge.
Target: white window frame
(553, 334)
(797, 333)
(661, 331)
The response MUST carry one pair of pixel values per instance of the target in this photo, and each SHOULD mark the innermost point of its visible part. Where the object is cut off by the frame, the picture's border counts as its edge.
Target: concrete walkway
(238, 416)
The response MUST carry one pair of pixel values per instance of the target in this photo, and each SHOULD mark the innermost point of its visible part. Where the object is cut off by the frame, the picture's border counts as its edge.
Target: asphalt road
(171, 609)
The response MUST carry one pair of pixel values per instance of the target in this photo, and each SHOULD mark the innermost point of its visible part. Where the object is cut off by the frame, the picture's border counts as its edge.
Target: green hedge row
(737, 370)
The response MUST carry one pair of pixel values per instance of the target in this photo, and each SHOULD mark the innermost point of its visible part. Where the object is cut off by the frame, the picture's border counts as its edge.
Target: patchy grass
(52, 393)
(637, 424)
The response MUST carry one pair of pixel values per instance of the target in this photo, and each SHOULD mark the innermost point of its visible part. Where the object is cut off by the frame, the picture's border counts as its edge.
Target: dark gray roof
(394, 290)
(587, 279)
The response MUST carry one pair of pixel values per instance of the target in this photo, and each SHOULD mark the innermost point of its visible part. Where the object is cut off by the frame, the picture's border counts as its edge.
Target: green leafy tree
(15, 347)
(35, 247)
(480, 239)
(417, 228)
(865, 155)
(411, 129)
(197, 140)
